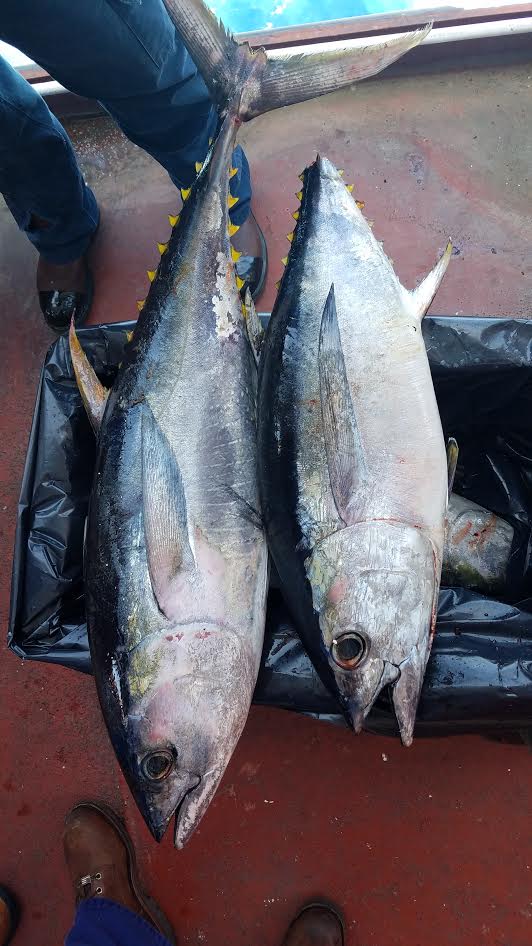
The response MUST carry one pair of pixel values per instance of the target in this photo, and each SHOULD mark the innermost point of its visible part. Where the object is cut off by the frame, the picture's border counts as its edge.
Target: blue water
(249, 15)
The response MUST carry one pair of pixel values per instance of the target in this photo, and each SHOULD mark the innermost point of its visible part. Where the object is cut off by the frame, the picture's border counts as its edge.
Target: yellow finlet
(301, 176)
(210, 141)
(360, 204)
(296, 215)
(239, 282)
(152, 274)
(290, 236)
(173, 220)
(198, 165)
(341, 172)
(232, 172)
(231, 201)
(299, 195)
(233, 229)
(140, 304)
(185, 192)
(235, 255)
(349, 187)
(278, 283)
(129, 336)
(162, 247)
(284, 260)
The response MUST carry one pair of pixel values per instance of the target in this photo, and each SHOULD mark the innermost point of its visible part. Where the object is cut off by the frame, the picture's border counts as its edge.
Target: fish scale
(352, 463)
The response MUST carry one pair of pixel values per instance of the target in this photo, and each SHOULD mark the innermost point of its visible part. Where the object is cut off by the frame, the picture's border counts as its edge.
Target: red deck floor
(427, 845)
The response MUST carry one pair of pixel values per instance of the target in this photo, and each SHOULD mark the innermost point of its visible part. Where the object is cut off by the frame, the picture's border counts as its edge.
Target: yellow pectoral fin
(93, 393)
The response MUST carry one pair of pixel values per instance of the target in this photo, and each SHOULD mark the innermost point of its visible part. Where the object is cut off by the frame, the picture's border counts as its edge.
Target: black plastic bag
(480, 670)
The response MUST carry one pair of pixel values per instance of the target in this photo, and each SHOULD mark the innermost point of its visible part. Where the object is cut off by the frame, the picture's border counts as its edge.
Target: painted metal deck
(427, 845)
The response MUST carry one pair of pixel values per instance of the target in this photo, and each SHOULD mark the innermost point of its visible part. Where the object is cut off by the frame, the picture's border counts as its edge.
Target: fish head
(374, 589)
(189, 692)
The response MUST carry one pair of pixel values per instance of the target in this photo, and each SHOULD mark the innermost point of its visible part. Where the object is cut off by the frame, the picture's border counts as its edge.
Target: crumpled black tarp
(480, 671)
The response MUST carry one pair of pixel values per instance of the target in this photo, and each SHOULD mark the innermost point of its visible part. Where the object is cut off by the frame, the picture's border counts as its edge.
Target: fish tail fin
(212, 47)
(286, 80)
(275, 81)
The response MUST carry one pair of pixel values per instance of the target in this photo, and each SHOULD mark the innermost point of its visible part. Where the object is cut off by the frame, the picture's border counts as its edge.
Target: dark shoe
(252, 266)
(317, 924)
(101, 860)
(8, 917)
(60, 306)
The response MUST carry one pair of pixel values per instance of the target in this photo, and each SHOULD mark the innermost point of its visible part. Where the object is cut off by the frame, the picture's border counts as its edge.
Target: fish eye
(157, 765)
(348, 650)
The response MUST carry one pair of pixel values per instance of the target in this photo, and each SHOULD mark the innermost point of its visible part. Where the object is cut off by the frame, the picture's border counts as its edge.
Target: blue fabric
(39, 173)
(128, 55)
(101, 922)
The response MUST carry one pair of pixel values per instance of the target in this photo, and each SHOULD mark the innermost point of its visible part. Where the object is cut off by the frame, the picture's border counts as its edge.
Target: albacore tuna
(176, 559)
(353, 472)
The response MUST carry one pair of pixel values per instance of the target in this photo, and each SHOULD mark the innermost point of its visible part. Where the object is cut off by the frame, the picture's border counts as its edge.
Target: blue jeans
(127, 55)
(104, 923)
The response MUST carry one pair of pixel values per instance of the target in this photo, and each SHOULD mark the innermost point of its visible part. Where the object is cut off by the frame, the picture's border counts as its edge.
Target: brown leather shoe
(8, 917)
(317, 924)
(101, 861)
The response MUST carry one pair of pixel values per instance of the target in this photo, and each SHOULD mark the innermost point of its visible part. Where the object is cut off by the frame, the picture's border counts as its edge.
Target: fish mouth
(356, 713)
(194, 804)
(405, 681)
(158, 830)
(180, 836)
(357, 710)
(157, 825)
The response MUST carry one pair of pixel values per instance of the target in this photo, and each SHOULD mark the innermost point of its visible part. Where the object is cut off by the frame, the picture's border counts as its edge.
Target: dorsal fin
(423, 295)
(93, 394)
(345, 455)
(452, 461)
(164, 508)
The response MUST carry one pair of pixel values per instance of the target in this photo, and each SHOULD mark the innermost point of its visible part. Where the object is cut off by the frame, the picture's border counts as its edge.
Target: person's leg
(39, 175)
(129, 57)
(112, 908)
(45, 191)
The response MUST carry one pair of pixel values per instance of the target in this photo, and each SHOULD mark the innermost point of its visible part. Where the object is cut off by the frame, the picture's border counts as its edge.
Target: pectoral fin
(424, 294)
(345, 454)
(93, 393)
(298, 77)
(164, 507)
(452, 461)
(254, 328)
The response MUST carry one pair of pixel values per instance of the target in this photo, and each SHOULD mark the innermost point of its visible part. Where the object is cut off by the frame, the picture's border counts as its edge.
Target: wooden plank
(381, 23)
